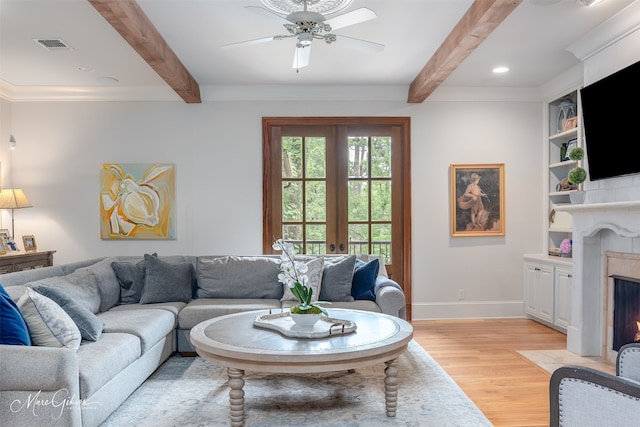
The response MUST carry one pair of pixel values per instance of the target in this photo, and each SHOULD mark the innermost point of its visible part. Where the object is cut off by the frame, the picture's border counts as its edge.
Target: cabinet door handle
(332, 247)
(341, 247)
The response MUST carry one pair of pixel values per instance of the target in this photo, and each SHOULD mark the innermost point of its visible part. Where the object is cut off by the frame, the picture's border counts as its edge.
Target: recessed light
(107, 81)
(588, 3)
(500, 70)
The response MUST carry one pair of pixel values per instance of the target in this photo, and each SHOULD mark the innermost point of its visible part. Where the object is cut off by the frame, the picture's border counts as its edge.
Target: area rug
(191, 391)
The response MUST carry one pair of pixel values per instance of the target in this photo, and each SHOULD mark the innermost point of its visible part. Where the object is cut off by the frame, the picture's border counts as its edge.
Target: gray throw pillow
(131, 279)
(166, 282)
(81, 286)
(238, 277)
(88, 323)
(337, 278)
(49, 325)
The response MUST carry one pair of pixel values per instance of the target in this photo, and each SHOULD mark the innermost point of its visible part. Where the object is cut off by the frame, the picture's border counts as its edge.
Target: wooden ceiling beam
(128, 19)
(474, 27)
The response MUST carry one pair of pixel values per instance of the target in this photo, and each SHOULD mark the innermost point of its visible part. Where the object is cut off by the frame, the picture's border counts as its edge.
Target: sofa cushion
(101, 361)
(89, 325)
(314, 279)
(149, 325)
(49, 325)
(107, 283)
(202, 309)
(15, 292)
(172, 307)
(13, 328)
(81, 285)
(238, 277)
(166, 282)
(337, 278)
(364, 280)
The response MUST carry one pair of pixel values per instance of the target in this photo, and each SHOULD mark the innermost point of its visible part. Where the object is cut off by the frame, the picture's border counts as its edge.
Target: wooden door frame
(269, 184)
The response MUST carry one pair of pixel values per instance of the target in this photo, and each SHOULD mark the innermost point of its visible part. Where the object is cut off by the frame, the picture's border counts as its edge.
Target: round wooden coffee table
(233, 341)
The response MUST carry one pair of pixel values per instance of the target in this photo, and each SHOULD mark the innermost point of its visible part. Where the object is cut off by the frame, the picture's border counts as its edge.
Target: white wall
(216, 147)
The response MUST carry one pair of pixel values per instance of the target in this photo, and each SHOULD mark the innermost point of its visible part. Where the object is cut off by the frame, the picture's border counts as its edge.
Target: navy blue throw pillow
(13, 328)
(364, 280)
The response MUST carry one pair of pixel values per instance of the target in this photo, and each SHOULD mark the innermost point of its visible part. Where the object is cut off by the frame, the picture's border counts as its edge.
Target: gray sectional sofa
(145, 308)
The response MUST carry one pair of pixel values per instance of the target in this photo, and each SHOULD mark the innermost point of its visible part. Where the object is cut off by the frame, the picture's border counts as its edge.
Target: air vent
(53, 44)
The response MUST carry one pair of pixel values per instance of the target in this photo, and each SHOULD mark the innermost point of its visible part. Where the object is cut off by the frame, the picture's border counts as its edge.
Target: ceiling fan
(305, 26)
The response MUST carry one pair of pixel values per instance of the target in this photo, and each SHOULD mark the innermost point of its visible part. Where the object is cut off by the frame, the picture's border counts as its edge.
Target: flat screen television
(611, 116)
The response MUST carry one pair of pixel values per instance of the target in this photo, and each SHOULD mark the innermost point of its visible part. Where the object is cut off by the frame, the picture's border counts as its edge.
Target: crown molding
(389, 93)
(609, 32)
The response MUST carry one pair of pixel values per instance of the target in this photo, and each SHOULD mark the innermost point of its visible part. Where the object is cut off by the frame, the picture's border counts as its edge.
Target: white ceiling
(532, 42)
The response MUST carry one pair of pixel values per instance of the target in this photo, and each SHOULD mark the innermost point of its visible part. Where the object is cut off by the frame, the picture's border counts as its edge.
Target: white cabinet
(539, 290)
(562, 296)
(547, 292)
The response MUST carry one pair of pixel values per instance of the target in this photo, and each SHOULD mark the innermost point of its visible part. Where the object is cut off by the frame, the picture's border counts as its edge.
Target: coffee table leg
(391, 387)
(236, 396)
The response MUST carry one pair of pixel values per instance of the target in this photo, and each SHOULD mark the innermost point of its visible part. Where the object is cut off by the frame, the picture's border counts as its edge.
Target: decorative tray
(325, 327)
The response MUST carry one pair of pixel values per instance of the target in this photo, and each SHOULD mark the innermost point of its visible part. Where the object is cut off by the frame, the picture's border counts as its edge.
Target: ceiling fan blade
(267, 13)
(350, 18)
(301, 57)
(358, 44)
(248, 42)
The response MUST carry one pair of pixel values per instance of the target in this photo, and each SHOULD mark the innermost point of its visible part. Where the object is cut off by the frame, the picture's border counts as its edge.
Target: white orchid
(293, 274)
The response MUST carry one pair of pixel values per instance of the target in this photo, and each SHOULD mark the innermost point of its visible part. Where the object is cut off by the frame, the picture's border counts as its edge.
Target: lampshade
(13, 198)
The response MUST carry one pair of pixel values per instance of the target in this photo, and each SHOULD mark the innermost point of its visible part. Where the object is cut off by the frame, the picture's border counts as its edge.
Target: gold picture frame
(5, 235)
(477, 204)
(3, 247)
(29, 243)
(570, 123)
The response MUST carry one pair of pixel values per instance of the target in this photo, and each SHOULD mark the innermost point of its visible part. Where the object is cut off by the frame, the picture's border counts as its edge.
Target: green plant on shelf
(577, 175)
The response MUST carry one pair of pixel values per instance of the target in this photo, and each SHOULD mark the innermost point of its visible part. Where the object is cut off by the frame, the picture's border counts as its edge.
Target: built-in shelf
(557, 143)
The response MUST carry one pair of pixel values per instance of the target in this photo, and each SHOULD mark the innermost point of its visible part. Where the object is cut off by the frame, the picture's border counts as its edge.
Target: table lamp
(13, 198)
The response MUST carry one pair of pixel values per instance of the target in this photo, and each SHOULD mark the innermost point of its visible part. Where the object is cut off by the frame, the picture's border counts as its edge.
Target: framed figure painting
(477, 200)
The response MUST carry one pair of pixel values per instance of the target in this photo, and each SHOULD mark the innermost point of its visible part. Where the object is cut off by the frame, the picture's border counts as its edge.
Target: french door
(340, 185)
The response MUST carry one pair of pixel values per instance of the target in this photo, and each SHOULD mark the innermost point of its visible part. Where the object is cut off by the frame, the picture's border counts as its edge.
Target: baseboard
(467, 310)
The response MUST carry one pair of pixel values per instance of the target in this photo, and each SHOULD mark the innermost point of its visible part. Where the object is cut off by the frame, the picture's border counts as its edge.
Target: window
(340, 185)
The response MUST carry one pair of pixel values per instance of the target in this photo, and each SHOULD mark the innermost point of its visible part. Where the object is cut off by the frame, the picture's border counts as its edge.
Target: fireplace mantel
(595, 207)
(590, 242)
(590, 218)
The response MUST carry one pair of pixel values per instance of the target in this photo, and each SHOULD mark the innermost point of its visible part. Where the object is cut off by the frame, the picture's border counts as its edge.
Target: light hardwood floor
(482, 358)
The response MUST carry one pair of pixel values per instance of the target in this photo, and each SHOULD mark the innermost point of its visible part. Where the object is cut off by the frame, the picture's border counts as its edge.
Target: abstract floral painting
(137, 201)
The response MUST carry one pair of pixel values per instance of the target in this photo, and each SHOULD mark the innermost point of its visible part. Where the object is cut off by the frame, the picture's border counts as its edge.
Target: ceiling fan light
(305, 39)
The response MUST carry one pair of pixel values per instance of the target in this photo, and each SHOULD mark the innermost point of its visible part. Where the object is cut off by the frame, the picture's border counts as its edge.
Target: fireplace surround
(598, 229)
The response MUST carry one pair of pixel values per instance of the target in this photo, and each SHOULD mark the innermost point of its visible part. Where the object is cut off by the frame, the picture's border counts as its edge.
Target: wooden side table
(18, 261)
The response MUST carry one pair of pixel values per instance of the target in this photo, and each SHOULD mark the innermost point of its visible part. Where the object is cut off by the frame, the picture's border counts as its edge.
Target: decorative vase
(307, 317)
(306, 320)
(577, 197)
